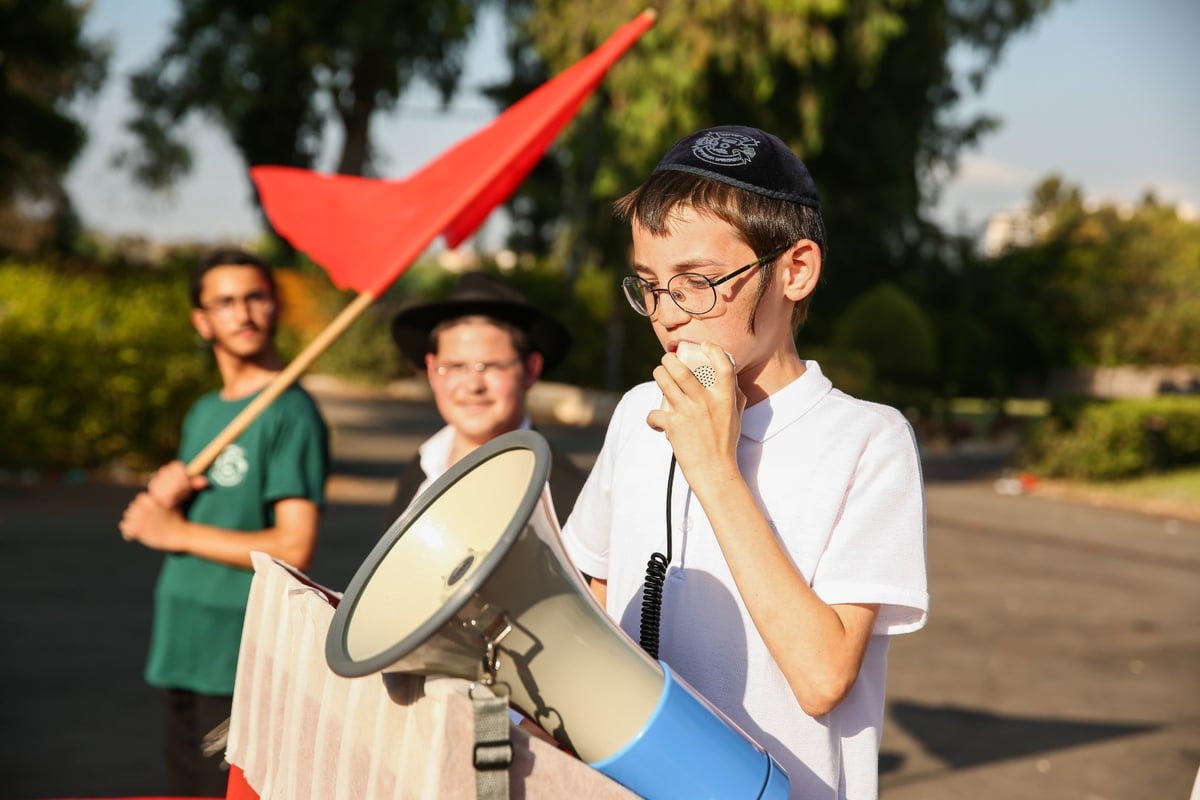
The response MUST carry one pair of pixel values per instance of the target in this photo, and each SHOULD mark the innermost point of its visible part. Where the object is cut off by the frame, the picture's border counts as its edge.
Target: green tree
(1105, 285)
(862, 89)
(274, 73)
(45, 62)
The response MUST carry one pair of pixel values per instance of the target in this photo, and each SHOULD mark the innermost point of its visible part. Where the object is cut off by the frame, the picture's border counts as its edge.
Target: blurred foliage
(45, 62)
(889, 328)
(861, 89)
(1087, 286)
(275, 73)
(1109, 440)
(96, 368)
(1105, 285)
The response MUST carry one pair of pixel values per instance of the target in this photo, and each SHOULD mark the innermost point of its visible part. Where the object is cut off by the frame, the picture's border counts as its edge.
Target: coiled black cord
(656, 576)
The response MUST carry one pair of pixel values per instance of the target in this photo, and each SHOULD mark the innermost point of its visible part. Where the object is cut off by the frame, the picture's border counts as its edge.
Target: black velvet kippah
(747, 158)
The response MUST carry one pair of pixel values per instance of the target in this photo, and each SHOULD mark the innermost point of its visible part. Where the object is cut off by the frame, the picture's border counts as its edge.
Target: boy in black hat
(795, 536)
(483, 347)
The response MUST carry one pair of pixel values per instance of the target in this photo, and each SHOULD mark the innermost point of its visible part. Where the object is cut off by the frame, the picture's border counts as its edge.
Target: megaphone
(473, 582)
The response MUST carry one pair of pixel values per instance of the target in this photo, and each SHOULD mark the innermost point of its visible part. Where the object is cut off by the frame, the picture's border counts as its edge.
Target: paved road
(1062, 658)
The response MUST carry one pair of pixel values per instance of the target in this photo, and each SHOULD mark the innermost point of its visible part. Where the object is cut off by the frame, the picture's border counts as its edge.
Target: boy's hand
(171, 486)
(702, 424)
(151, 523)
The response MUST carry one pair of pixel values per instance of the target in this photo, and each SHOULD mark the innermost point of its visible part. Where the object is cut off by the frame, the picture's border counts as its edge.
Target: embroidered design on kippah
(725, 149)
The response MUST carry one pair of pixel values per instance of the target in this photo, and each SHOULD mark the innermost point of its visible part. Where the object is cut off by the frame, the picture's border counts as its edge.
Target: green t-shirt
(199, 605)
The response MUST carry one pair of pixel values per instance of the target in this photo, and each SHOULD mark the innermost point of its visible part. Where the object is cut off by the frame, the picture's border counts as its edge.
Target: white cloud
(979, 172)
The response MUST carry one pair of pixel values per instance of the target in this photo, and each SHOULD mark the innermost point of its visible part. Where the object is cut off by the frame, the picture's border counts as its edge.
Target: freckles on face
(707, 246)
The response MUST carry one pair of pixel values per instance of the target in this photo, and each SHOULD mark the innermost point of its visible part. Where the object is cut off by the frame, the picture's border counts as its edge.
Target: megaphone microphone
(694, 359)
(473, 582)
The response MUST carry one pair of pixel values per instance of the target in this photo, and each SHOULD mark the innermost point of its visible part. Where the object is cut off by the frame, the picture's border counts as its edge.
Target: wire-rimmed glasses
(226, 305)
(691, 291)
(457, 370)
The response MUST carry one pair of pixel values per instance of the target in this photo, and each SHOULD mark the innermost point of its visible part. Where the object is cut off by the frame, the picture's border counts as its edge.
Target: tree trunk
(356, 122)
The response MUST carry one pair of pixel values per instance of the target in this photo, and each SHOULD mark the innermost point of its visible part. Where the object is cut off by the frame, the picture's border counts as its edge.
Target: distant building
(1006, 229)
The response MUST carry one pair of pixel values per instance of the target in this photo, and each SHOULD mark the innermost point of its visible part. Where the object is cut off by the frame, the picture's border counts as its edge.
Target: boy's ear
(534, 363)
(801, 269)
(201, 324)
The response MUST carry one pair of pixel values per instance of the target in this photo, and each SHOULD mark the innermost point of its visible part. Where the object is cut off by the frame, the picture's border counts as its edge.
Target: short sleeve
(299, 451)
(876, 553)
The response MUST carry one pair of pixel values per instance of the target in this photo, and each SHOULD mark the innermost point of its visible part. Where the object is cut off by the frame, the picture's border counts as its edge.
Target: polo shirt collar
(768, 417)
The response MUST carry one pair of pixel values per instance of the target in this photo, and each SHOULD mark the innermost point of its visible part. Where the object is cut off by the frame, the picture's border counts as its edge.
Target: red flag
(366, 232)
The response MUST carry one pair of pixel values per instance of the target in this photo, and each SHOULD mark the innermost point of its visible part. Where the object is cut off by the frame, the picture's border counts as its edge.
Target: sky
(1100, 92)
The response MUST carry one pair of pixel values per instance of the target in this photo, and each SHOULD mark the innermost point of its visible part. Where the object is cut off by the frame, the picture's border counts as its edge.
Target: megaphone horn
(473, 582)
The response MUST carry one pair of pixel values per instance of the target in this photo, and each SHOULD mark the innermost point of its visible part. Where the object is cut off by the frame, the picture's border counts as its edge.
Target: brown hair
(227, 257)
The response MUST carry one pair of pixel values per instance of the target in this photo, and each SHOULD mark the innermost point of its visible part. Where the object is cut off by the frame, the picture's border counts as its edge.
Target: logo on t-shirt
(230, 467)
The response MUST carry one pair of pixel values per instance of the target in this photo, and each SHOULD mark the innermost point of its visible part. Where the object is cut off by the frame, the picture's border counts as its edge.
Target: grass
(1175, 493)
(1182, 485)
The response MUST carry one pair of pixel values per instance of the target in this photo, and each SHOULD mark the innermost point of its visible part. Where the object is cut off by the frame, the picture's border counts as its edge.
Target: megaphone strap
(493, 752)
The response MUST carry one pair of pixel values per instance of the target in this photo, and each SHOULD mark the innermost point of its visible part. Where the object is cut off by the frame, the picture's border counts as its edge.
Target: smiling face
(479, 380)
(700, 243)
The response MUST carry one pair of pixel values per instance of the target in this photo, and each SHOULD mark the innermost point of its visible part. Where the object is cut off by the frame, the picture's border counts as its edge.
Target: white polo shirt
(839, 480)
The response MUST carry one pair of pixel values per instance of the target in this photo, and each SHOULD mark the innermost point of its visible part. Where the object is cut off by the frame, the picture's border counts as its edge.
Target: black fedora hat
(485, 294)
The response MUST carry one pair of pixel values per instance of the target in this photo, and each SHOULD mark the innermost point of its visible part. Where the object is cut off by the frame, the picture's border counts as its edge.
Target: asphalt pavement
(1061, 658)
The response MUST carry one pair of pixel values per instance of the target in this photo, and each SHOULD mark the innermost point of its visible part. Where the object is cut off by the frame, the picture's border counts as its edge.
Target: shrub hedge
(95, 369)
(1109, 440)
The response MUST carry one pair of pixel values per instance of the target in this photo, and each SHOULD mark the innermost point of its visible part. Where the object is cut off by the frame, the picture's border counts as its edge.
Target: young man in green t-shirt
(264, 492)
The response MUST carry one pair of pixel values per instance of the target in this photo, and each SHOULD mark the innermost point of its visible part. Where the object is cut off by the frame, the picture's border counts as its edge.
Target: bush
(888, 325)
(890, 328)
(1109, 440)
(95, 369)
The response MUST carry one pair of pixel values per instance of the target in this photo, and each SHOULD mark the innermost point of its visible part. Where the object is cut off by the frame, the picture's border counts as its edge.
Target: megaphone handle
(656, 576)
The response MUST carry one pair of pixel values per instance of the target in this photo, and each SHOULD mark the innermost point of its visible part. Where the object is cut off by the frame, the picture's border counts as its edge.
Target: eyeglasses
(459, 369)
(226, 305)
(691, 291)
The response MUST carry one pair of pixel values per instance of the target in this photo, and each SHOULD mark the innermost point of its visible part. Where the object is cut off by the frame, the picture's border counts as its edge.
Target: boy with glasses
(795, 520)
(263, 492)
